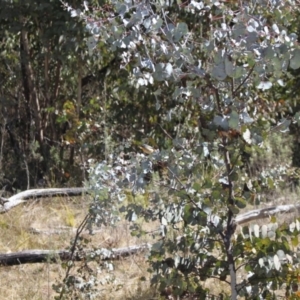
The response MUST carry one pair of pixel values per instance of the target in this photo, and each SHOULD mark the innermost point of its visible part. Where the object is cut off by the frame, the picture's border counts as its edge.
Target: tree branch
(39, 256)
(19, 198)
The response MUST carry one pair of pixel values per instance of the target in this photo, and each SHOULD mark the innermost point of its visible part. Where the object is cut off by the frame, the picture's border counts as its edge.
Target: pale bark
(266, 212)
(19, 198)
(9, 203)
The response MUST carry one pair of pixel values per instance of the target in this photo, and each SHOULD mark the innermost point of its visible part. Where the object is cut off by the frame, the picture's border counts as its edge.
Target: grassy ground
(34, 281)
(19, 229)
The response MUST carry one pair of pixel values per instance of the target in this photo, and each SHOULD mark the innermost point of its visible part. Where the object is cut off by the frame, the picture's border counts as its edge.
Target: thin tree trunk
(29, 82)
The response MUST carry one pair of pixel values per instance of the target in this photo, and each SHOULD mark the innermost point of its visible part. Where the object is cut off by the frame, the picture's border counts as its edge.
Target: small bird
(147, 149)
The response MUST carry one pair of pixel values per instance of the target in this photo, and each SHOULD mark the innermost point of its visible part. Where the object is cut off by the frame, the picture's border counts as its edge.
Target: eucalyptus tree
(218, 63)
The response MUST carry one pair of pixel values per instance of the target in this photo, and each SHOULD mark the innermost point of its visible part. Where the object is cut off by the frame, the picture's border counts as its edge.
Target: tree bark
(29, 81)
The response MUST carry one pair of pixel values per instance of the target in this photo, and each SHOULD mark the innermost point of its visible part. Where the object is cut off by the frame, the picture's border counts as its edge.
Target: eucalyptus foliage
(220, 64)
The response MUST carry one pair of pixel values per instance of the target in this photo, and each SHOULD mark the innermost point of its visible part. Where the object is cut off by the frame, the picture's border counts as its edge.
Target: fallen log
(55, 256)
(9, 203)
(38, 256)
(19, 198)
(265, 213)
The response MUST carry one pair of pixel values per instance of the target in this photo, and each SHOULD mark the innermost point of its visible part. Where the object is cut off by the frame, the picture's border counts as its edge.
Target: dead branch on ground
(266, 212)
(55, 256)
(19, 198)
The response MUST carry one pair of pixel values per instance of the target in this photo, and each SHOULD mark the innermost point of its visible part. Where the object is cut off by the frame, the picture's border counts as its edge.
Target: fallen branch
(38, 256)
(266, 212)
(7, 204)
(19, 198)
(55, 256)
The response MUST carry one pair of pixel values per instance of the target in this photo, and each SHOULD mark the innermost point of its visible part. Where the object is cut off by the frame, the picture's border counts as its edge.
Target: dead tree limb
(266, 212)
(55, 256)
(9, 203)
(19, 198)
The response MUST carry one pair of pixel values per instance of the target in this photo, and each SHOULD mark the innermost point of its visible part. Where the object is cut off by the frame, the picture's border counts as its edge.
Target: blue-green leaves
(211, 71)
(180, 31)
(295, 60)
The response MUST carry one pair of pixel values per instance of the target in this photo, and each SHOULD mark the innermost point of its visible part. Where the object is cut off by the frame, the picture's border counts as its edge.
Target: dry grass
(35, 281)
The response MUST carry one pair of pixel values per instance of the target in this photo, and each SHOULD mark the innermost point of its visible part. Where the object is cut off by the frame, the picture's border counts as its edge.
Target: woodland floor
(34, 281)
